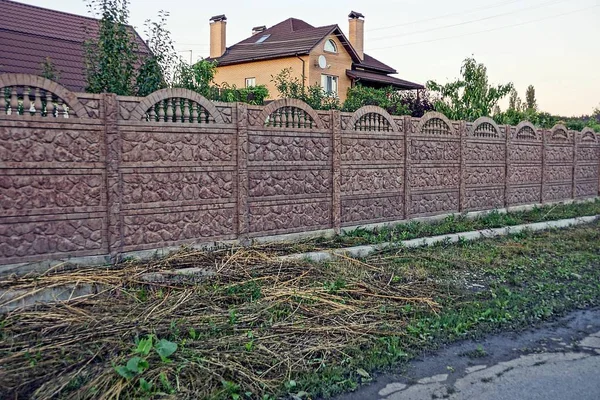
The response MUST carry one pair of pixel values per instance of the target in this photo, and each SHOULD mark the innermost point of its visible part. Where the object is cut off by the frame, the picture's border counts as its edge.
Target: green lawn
(450, 224)
(261, 329)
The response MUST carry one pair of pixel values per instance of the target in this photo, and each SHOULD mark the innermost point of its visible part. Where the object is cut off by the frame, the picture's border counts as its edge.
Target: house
(30, 34)
(317, 55)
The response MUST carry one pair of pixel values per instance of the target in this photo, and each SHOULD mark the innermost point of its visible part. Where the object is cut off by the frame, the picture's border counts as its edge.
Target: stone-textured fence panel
(434, 164)
(372, 167)
(289, 169)
(525, 162)
(558, 164)
(484, 165)
(52, 172)
(104, 175)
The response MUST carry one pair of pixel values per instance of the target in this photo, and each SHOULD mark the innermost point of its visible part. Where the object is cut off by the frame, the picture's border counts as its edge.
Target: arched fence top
(372, 118)
(435, 123)
(526, 131)
(560, 134)
(289, 113)
(485, 127)
(176, 105)
(587, 135)
(22, 94)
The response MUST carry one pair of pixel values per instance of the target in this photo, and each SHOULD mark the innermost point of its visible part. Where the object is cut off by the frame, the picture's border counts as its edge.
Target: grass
(451, 224)
(262, 329)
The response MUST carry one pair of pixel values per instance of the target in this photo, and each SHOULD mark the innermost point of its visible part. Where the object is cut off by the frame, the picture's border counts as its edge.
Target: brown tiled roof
(288, 38)
(374, 64)
(29, 34)
(382, 80)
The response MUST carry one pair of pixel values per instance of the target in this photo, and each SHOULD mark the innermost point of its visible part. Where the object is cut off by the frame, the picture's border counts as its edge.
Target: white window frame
(330, 84)
(250, 82)
(333, 45)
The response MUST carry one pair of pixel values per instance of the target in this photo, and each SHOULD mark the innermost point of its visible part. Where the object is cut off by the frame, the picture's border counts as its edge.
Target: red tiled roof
(29, 34)
(382, 80)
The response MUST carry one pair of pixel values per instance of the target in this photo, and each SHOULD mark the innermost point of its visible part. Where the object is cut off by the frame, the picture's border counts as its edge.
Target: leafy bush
(393, 101)
(293, 88)
(470, 97)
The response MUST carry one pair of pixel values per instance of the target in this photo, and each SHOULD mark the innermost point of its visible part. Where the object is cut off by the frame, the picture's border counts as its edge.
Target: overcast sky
(551, 44)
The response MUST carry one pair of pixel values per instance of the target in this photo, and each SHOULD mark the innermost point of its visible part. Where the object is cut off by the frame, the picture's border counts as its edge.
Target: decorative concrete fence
(103, 175)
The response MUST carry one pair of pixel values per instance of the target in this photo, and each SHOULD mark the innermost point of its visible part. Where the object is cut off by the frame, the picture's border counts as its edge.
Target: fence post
(407, 139)
(336, 172)
(242, 173)
(574, 172)
(507, 149)
(461, 183)
(114, 183)
(544, 164)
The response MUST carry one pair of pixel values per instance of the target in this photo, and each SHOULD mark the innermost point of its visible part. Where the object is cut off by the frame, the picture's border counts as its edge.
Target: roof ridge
(51, 10)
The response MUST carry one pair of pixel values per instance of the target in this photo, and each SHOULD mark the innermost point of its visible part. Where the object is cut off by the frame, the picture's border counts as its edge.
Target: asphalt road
(559, 361)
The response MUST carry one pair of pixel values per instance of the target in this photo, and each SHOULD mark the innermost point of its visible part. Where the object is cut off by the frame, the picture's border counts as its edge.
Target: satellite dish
(322, 62)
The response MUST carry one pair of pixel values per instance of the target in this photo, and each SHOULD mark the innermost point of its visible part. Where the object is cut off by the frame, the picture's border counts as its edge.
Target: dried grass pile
(254, 325)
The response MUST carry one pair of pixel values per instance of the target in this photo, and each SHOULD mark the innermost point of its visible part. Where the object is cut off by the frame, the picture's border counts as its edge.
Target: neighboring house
(320, 55)
(29, 34)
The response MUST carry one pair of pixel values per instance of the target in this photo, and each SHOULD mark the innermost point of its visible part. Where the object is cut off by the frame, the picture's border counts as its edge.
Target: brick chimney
(258, 29)
(218, 25)
(357, 32)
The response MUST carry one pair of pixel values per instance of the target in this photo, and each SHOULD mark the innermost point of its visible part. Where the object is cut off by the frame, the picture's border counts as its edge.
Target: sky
(550, 44)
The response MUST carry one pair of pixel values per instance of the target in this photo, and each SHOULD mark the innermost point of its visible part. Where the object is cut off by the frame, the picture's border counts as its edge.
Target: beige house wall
(261, 71)
(337, 63)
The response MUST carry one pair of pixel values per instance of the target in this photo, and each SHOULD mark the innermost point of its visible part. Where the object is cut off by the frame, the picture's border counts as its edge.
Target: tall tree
(514, 101)
(470, 97)
(158, 67)
(530, 102)
(110, 54)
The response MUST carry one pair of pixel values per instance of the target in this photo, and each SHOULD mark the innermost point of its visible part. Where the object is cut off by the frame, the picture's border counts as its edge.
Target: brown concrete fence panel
(105, 175)
(434, 163)
(290, 174)
(372, 167)
(52, 172)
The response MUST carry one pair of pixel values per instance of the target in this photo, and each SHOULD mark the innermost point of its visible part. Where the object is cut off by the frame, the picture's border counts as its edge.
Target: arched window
(330, 46)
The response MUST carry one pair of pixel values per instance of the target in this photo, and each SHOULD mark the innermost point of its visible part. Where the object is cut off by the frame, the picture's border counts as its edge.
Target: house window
(263, 38)
(329, 84)
(330, 46)
(250, 82)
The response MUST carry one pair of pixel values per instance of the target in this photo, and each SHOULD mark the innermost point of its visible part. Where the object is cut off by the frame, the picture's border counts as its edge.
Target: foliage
(198, 77)
(230, 93)
(455, 224)
(470, 97)
(387, 98)
(393, 101)
(49, 70)
(418, 103)
(157, 68)
(293, 88)
(530, 102)
(111, 55)
(138, 364)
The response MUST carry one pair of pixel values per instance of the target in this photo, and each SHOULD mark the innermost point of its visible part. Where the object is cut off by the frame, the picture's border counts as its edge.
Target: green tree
(530, 102)
(470, 97)
(198, 77)
(157, 68)
(514, 101)
(111, 54)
